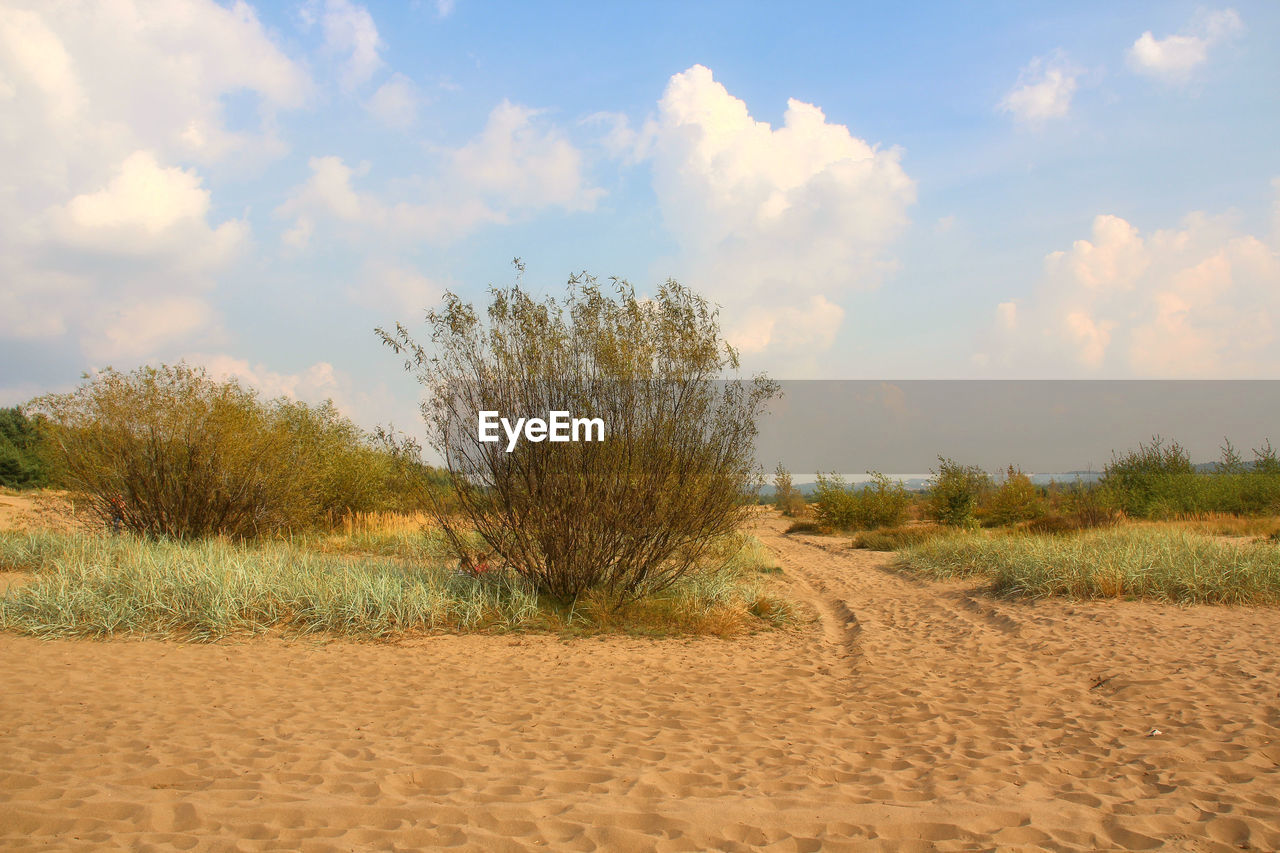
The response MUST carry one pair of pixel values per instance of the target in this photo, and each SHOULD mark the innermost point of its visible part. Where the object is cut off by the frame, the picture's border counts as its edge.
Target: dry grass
(96, 585)
(896, 538)
(1134, 561)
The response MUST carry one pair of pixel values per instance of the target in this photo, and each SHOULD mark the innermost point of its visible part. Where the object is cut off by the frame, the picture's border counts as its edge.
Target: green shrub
(168, 451)
(954, 493)
(786, 497)
(623, 517)
(21, 466)
(1014, 500)
(880, 503)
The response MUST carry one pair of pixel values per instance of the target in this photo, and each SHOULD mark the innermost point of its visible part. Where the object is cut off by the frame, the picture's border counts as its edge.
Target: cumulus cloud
(395, 103)
(518, 164)
(1199, 300)
(401, 292)
(125, 267)
(1175, 57)
(789, 220)
(1044, 90)
(315, 384)
(364, 403)
(108, 239)
(349, 31)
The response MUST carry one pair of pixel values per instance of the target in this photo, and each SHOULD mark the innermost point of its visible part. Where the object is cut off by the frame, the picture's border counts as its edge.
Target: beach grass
(1161, 563)
(392, 585)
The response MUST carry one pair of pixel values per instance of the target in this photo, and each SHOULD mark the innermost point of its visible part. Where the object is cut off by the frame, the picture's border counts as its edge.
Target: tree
(21, 466)
(625, 516)
(786, 497)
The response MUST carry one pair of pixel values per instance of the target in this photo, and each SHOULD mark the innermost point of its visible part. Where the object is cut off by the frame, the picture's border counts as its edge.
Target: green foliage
(168, 451)
(955, 493)
(880, 503)
(1163, 564)
(624, 517)
(1016, 499)
(21, 466)
(786, 497)
(1158, 481)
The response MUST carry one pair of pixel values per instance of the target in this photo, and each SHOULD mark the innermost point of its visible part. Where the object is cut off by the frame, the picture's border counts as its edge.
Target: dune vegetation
(1160, 563)
(367, 585)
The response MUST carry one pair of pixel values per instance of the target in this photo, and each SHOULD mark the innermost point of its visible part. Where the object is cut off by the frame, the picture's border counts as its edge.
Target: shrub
(835, 505)
(21, 466)
(787, 498)
(1016, 499)
(168, 451)
(954, 493)
(896, 538)
(1155, 481)
(879, 503)
(627, 516)
(804, 527)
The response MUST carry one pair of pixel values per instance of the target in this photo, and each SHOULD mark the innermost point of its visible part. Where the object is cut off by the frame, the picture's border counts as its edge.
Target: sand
(906, 716)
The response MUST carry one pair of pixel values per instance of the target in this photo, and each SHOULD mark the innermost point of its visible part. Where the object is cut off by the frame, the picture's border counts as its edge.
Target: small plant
(804, 527)
(787, 498)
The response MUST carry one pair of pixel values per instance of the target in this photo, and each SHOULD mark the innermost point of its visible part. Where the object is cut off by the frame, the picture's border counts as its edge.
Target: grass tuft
(1164, 564)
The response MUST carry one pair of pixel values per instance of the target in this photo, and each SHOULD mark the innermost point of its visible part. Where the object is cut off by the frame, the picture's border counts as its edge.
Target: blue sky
(1006, 190)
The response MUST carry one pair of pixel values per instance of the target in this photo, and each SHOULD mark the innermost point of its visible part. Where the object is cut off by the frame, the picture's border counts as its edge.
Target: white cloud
(364, 403)
(1175, 57)
(517, 165)
(349, 31)
(148, 210)
(315, 384)
(788, 220)
(444, 8)
(521, 163)
(1044, 90)
(395, 103)
(108, 240)
(404, 293)
(1200, 300)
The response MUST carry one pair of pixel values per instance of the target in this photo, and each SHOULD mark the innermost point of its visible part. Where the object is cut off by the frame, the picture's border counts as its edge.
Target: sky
(868, 190)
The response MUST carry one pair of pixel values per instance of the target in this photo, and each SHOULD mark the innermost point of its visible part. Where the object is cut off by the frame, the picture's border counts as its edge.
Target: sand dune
(908, 716)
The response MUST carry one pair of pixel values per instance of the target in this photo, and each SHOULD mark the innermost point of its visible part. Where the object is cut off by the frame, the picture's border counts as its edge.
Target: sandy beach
(905, 716)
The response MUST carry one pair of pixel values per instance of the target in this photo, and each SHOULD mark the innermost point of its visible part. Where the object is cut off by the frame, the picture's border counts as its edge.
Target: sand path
(908, 716)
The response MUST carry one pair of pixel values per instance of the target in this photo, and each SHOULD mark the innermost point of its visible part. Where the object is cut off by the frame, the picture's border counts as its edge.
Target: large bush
(21, 466)
(169, 451)
(880, 503)
(1016, 499)
(624, 517)
(1158, 480)
(955, 491)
